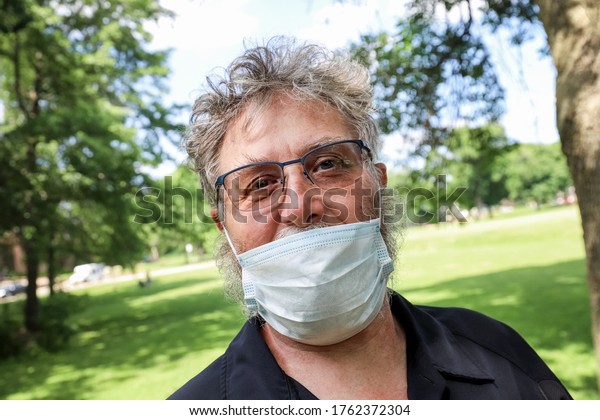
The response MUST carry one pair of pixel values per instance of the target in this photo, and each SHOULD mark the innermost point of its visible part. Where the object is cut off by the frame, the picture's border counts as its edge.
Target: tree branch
(17, 70)
(37, 84)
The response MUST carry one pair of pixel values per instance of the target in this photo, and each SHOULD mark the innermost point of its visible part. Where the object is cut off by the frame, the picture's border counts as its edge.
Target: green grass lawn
(135, 343)
(143, 343)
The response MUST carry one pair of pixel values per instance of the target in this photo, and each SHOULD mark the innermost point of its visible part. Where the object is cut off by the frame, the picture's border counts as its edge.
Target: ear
(382, 173)
(214, 215)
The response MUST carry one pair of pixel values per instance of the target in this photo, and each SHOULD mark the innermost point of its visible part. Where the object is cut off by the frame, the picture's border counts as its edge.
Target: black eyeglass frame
(221, 179)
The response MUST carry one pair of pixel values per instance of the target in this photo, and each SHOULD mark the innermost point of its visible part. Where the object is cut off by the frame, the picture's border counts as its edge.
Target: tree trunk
(573, 29)
(32, 302)
(51, 269)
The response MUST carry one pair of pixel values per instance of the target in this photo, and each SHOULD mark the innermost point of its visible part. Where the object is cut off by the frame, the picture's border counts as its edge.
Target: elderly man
(285, 146)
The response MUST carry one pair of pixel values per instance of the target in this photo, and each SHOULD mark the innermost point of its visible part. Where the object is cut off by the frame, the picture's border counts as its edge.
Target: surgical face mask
(321, 286)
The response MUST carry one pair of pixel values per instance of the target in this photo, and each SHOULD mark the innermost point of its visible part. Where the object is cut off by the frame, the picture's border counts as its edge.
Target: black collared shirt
(452, 353)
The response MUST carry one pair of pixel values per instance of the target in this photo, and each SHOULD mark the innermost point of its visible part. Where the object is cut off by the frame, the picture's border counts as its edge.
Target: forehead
(281, 129)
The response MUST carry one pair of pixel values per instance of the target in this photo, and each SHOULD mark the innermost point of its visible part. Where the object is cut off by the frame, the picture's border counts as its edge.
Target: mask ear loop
(229, 240)
(221, 216)
(377, 199)
(379, 205)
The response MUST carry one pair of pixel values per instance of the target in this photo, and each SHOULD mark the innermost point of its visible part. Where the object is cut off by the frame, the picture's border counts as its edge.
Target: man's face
(285, 130)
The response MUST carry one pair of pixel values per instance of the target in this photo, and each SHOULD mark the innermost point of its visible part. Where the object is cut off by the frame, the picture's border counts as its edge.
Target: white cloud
(338, 23)
(203, 25)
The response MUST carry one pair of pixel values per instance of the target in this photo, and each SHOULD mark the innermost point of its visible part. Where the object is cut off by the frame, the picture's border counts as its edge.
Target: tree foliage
(176, 213)
(536, 173)
(470, 167)
(427, 76)
(474, 160)
(81, 116)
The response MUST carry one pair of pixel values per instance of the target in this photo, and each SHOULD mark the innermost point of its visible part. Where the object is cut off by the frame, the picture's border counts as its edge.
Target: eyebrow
(322, 141)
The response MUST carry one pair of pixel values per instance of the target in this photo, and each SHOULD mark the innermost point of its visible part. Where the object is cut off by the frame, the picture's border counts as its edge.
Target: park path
(43, 289)
(140, 275)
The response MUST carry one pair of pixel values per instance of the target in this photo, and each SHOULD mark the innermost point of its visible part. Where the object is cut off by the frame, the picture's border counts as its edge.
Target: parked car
(11, 289)
(86, 272)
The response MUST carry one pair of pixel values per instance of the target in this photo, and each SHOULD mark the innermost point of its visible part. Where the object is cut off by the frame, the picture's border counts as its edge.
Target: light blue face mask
(321, 286)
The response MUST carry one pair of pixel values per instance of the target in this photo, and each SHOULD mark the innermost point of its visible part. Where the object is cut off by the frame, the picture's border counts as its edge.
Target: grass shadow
(547, 305)
(126, 330)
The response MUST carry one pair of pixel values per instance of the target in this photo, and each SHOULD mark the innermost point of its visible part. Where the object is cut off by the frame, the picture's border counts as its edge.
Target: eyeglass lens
(260, 185)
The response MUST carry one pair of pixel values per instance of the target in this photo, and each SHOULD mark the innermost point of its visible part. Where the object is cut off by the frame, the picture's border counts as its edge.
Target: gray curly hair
(302, 71)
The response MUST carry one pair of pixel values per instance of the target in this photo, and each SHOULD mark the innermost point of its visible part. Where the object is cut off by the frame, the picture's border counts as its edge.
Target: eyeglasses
(259, 185)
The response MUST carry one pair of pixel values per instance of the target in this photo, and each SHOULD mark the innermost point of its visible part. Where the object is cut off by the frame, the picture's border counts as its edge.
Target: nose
(301, 204)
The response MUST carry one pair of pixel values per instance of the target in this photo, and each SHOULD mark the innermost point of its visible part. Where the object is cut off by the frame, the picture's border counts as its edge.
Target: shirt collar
(433, 355)
(250, 371)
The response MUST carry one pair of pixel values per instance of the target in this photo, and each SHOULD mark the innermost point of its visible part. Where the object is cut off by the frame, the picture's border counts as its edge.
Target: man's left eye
(327, 164)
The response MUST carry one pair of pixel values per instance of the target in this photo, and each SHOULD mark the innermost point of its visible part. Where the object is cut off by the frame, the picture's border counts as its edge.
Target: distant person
(146, 282)
(286, 148)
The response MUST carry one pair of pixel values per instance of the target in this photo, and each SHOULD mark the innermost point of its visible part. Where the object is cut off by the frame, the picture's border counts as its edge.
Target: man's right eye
(261, 186)
(262, 183)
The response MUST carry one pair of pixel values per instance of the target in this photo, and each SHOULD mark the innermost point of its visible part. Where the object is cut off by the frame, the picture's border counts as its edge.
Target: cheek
(250, 230)
(339, 206)
(253, 218)
(365, 199)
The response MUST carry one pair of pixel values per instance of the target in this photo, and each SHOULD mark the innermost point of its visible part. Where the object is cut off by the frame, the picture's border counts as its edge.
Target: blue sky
(208, 34)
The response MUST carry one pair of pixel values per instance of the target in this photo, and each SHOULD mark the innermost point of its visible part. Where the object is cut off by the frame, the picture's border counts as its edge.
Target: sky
(206, 35)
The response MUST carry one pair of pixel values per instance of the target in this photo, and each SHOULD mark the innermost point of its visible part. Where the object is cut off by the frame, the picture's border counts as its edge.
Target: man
(285, 145)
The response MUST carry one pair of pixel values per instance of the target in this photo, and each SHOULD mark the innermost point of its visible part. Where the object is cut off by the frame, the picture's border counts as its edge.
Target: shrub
(56, 324)
(11, 336)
